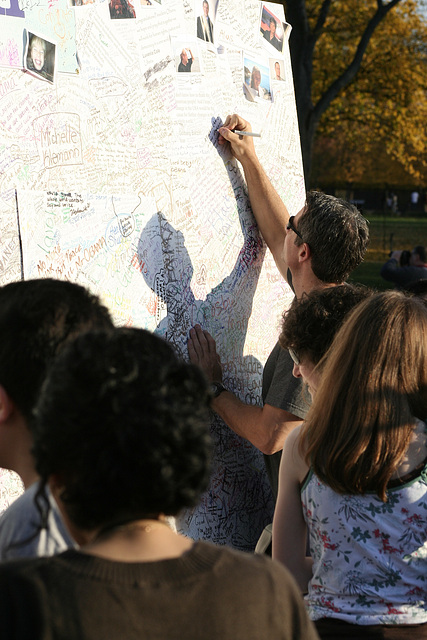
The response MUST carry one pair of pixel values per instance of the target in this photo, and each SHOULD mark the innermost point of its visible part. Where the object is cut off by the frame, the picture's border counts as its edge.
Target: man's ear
(6, 405)
(304, 252)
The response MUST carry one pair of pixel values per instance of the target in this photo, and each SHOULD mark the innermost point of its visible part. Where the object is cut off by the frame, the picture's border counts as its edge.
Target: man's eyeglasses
(294, 355)
(290, 226)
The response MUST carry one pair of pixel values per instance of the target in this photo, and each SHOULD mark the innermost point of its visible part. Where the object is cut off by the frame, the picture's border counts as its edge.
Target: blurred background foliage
(360, 74)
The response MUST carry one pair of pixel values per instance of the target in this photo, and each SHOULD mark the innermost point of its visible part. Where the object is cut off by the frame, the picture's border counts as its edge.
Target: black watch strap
(217, 388)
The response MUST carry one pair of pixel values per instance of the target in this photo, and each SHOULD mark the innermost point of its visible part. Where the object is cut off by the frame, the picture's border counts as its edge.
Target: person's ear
(304, 252)
(6, 404)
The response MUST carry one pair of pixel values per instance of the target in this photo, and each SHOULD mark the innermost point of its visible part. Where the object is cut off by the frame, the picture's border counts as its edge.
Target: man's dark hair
(421, 252)
(273, 20)
(124, 424)
(37, 317)
(310, 324)
(337, 234)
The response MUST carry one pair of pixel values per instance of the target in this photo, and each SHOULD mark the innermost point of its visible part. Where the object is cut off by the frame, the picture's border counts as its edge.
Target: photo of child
(40, 57)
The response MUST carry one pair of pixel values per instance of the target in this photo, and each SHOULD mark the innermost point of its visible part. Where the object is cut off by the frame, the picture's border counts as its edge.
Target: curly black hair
(310, 324)
(123, 424)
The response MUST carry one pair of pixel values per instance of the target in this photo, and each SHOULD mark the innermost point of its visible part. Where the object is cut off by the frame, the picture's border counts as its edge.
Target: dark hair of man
(272, 20)
(37, 317)
(310, 324)
(123, 423)
(373, 386)
(421, 251)
(336, 233)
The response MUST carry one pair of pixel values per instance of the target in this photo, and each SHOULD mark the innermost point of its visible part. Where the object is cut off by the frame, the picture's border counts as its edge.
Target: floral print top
(369, 557)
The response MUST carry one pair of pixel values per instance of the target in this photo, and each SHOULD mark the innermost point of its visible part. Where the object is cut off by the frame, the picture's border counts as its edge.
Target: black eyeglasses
(290, 226)
(294, 355)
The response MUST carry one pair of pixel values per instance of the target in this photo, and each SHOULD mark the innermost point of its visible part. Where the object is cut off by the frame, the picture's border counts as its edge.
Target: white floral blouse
(370, 557)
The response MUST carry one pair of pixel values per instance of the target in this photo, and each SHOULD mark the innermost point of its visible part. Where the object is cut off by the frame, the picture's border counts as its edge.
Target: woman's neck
(144, 540)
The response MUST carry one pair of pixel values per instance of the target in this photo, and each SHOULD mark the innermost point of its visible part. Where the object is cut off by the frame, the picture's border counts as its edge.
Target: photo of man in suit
(204, 24)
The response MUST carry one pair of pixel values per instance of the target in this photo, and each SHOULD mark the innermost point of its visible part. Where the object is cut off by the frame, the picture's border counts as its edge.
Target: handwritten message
(58, 139)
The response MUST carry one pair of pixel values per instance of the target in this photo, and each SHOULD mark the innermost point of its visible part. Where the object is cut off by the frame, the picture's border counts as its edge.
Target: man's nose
(296, 371)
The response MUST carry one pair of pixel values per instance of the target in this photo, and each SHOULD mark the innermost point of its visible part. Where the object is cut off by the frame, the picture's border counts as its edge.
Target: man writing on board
(317, 248)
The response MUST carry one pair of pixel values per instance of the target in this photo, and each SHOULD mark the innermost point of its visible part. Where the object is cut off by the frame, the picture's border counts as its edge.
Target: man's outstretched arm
(270, 212)
(265, 427)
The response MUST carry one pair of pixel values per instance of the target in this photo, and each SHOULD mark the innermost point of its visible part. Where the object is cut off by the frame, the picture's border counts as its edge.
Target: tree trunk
(302, 45)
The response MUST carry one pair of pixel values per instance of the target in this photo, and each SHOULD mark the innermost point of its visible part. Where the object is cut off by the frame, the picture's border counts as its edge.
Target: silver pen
(245, 133)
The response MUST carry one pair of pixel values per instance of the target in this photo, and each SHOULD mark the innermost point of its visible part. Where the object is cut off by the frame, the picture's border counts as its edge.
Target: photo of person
(80, 3)
(186, 55)
(40, 57)
(186, 61)
(256, 81)
(277, 69)
(272, 29)
(121, 9)
(205, 28)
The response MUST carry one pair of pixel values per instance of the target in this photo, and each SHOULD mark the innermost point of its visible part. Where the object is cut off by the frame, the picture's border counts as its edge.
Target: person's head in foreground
(371, 396)
(122, 437)
(310, 324)
(122, 430)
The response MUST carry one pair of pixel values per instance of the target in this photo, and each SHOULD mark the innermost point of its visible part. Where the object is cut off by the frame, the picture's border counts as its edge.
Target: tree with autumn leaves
(360, 75)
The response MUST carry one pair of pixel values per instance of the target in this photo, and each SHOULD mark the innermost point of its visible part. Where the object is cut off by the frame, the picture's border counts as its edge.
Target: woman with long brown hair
(354, 477)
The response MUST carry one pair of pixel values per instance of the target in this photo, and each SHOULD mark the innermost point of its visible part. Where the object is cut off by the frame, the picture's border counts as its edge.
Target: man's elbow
(275, 439)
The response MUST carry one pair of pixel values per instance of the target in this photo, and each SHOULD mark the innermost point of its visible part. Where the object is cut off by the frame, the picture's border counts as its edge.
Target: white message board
(111, 176)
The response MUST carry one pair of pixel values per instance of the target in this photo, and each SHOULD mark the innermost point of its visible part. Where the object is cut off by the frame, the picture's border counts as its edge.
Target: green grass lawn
(387, 234)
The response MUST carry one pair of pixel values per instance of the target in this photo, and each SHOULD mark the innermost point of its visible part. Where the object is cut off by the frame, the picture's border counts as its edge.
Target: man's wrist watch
(217, 388)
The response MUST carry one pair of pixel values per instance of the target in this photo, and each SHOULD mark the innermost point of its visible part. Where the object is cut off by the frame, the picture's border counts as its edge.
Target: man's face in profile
(184, 57)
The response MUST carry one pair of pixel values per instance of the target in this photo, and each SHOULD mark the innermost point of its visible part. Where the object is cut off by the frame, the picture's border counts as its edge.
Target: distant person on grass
(406, 274)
